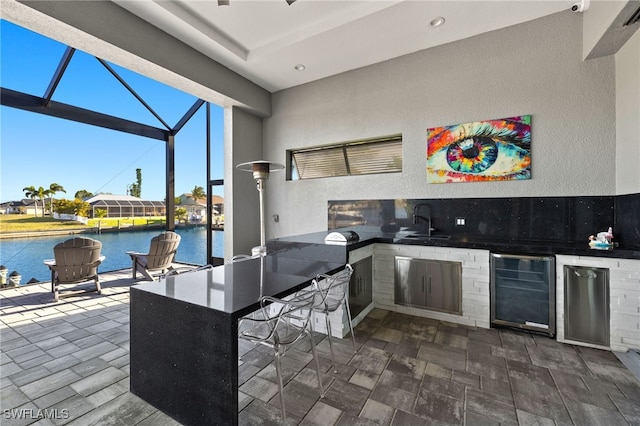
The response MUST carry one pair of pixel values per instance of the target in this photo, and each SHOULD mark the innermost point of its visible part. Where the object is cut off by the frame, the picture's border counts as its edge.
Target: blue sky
(39, 150)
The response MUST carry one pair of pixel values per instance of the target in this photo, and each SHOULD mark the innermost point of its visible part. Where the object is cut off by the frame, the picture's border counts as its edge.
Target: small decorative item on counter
(603, 241)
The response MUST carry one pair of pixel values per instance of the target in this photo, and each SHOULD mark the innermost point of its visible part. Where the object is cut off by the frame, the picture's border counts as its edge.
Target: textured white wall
(532, 68)
(628, 117)
(242, 143)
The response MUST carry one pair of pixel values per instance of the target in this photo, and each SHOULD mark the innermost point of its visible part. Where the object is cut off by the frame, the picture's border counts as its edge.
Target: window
(371, 156)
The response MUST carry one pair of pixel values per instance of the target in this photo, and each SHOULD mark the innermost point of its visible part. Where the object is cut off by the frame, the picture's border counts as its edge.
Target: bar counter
(184, 332)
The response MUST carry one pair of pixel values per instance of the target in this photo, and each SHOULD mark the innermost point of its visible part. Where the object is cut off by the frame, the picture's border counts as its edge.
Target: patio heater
(260, 170)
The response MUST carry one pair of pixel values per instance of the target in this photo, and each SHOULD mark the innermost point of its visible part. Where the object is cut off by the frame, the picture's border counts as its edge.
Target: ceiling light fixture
(300, 67)
(437, 22)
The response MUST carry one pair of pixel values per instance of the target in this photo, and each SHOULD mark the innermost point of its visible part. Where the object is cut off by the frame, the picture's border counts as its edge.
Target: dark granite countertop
(236, 288)
(369, 235)
(294, 261)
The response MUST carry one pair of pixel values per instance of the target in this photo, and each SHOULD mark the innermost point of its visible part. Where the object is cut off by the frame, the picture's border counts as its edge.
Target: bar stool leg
(333, 358)
(315, 356)
(279, 374)
(353, 337)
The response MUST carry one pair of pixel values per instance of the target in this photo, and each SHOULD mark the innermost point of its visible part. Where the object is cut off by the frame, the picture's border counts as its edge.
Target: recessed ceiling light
(437, 22)
(299, 67)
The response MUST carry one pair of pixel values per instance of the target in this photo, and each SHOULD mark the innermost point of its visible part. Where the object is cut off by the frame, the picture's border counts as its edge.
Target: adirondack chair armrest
(51, 263)
(55, 267)
(136, 254)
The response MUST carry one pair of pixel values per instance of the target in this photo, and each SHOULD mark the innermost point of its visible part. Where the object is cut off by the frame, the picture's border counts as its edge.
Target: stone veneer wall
(475, 281)
(624, 299)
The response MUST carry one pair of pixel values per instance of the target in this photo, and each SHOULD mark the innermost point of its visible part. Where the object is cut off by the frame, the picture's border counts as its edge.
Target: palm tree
(33, 193)
(83, 194)
(54, 187)
(197, 193)
(135, 188)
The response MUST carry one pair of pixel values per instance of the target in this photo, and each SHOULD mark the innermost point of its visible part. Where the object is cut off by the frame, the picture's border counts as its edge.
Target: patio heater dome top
(260, 168)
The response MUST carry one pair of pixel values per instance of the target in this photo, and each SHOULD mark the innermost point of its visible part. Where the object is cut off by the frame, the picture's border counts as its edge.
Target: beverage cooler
(523, 292)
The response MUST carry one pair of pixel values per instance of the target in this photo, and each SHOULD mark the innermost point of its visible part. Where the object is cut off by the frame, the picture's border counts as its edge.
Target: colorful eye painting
(480, 151)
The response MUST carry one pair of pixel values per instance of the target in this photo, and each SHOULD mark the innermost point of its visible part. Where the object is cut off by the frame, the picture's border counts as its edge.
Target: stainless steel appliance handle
(589, 274)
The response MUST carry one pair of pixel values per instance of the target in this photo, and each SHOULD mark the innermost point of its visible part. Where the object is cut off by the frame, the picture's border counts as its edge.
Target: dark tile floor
(68, 363)
(416, 371)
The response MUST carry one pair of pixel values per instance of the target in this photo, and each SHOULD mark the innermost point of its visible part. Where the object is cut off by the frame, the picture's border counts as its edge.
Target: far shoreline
(96, 230)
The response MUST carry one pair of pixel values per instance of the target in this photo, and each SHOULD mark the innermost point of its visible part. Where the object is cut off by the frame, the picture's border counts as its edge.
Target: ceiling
(263, 40)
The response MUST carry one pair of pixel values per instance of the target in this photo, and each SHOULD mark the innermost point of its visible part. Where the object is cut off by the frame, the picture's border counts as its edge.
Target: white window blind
(372, 156)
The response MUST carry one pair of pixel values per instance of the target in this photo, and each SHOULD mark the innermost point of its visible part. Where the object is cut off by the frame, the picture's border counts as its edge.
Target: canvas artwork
(480, 151)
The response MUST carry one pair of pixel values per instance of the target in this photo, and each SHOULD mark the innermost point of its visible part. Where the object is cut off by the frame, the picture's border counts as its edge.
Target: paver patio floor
(68, 363)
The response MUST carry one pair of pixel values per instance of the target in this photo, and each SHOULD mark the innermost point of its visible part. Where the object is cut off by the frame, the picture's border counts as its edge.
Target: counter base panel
(184, 359)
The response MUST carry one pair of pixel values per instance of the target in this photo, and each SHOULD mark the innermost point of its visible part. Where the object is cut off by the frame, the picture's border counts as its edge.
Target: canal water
(25, 255)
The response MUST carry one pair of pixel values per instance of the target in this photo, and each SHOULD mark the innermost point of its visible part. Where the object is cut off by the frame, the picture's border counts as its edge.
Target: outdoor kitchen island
(184, 331)
(184, 349)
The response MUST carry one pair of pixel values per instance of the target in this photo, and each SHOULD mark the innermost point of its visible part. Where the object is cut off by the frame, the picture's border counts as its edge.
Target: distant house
(24, 206)
(218, 205)
(197, 209)
(125, 206)
(12, 207)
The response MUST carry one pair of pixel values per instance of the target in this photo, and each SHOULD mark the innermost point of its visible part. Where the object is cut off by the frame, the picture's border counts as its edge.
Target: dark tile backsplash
(554, 219)
(627, 213)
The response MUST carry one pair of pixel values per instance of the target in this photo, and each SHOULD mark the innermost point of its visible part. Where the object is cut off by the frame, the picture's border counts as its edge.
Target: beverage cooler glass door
(523, 292)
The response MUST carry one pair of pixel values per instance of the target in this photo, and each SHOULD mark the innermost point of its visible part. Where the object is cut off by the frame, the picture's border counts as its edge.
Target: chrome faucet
(417, 217)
